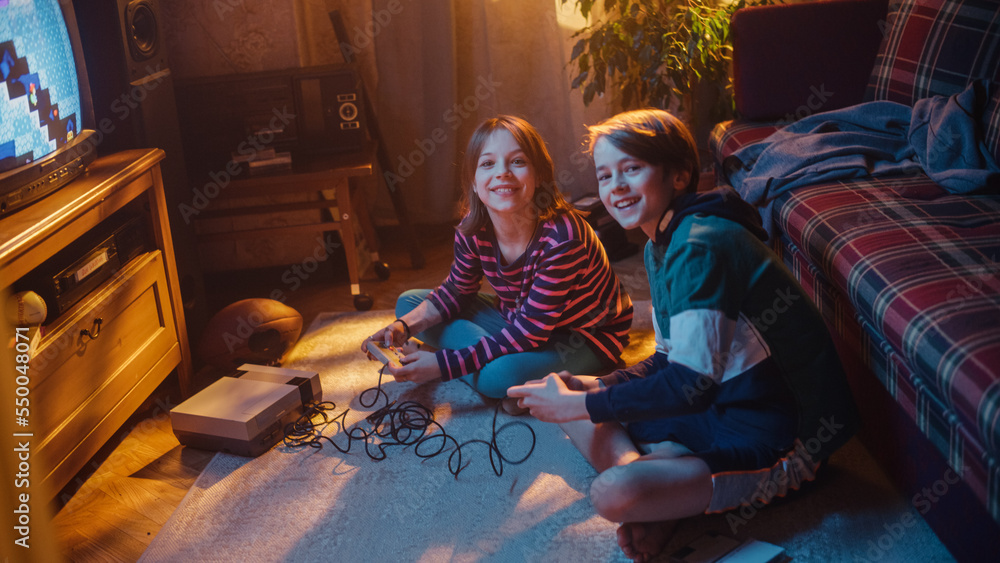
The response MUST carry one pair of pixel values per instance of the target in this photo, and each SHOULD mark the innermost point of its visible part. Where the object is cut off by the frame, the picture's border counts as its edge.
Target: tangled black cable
(406, 424)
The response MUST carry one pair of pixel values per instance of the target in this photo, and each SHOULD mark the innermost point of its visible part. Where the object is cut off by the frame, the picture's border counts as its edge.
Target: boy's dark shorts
(721, 444)
(753, 456)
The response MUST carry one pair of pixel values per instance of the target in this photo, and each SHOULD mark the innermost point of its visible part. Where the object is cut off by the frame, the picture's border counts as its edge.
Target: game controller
(389, 356)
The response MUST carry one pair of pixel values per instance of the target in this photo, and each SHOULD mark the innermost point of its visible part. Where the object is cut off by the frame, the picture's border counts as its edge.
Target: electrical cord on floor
(407, 424)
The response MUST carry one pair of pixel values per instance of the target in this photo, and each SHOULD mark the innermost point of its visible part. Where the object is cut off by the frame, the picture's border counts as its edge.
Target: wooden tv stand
(83, 388)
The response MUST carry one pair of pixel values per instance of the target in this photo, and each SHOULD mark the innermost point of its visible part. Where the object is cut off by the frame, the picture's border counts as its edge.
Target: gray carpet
(323, 505)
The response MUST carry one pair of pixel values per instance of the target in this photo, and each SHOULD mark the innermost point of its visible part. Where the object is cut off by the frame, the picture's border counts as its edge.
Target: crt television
(47, 133)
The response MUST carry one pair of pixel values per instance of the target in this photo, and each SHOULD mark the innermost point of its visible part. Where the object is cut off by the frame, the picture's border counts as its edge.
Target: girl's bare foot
(641, 541)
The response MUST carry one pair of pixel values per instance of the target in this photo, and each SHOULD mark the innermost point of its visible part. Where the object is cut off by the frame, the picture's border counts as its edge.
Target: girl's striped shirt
(562, 282)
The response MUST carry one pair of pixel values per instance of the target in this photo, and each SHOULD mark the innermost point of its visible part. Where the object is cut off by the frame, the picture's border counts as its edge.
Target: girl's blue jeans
(482, 318)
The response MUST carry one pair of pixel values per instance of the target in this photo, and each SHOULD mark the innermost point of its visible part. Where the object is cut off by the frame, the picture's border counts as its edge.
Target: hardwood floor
(118, 503)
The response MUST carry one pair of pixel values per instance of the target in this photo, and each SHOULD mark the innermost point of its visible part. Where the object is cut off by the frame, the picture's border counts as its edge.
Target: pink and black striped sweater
(562, 282)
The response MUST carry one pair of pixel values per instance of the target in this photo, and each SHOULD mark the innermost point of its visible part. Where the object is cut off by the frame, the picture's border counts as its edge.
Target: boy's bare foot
(641, 541)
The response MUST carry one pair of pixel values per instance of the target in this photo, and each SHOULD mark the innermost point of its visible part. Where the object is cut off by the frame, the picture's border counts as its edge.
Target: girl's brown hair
(652, 135)
(548, 201)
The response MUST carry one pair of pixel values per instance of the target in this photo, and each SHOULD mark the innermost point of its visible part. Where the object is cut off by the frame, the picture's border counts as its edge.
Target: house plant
(671, 54)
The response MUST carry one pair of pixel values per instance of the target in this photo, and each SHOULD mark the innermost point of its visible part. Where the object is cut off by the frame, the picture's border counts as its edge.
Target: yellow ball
(26, 308)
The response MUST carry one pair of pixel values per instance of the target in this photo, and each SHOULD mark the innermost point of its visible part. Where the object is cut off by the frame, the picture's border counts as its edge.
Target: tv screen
(46, 136)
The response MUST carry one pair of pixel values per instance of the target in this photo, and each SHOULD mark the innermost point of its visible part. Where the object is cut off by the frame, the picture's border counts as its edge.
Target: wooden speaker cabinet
(87, 376)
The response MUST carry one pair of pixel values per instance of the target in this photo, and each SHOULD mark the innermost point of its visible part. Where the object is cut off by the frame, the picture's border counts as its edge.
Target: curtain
(436, 68)
(445, 65)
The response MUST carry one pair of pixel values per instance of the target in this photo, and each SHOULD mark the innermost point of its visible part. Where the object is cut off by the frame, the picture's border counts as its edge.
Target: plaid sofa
(905, 273)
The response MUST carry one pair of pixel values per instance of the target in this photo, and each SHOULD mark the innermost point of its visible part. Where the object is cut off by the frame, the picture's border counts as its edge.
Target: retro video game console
(245, 414)
(387, 355)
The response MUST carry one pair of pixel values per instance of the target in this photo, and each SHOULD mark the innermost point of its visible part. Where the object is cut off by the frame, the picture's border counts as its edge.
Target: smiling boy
(719, 415)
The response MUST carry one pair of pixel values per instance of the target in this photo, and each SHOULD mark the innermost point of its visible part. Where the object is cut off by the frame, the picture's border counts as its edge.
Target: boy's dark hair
(651, 135)
(548, 201)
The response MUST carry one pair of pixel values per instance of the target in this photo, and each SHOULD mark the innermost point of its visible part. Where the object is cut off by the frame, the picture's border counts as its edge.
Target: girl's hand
(392, 335)
(418, 367)
(550, 400)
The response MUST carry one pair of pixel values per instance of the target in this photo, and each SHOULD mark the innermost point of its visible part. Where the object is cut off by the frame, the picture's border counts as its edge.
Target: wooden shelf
(327, 179)
(82, 389)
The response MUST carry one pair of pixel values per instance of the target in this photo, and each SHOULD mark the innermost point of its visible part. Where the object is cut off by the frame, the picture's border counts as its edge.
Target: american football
(257, 331)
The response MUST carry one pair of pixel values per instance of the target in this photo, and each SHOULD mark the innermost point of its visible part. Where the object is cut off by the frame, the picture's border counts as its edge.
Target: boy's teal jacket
(709, 263)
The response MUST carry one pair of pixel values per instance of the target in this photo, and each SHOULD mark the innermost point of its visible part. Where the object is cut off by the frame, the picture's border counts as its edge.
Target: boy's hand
(550, 400)
(580, 382)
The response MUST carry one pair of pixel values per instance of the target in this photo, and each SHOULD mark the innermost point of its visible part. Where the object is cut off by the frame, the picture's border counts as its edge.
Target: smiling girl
(557, 304)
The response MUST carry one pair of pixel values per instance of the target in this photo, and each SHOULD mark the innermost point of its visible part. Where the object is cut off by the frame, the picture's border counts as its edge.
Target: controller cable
(405, 424)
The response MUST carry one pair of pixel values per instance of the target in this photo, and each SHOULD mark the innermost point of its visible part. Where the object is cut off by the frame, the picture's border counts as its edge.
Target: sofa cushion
(935, 47)
(792, 60)
(920, 266)
(730, 136)
(938, 47)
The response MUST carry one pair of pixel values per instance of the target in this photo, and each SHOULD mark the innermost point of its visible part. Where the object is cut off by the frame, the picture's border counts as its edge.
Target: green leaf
(637, 39)
(652, 72)
(588, 93)
(647, 56)
(656, 51)
(619, 61)
(596, 42)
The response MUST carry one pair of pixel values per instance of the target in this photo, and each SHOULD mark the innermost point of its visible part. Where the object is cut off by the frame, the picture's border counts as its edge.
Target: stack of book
(263, 160)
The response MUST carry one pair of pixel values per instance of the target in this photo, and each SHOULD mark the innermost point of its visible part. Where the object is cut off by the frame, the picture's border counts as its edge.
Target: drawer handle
(95, 331)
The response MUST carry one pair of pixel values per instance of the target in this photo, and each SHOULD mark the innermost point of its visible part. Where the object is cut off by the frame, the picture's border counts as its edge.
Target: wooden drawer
(84, 388)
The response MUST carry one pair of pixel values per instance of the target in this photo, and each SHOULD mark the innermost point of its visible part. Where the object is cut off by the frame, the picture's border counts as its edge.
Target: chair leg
(359, 202)
(345, 225)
